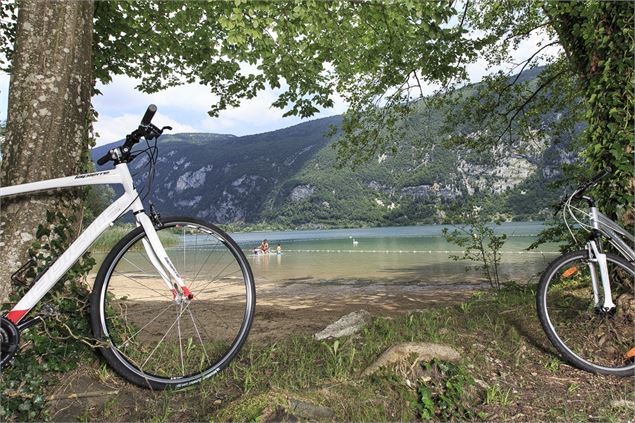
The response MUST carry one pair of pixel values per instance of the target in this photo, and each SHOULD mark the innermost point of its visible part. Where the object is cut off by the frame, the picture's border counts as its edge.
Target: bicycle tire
(575, 327)
(131, 312)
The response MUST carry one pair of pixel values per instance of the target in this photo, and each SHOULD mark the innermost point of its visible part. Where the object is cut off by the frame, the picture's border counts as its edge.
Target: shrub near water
(111, 237)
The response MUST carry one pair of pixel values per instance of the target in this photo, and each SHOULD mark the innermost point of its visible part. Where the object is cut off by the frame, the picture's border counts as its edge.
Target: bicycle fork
(597, 257)
(160, 260)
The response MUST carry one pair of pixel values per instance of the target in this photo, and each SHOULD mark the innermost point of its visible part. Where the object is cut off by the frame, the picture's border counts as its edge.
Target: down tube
(70, 256)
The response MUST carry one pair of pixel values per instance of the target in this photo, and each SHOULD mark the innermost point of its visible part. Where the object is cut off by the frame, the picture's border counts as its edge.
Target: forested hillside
(289, 177)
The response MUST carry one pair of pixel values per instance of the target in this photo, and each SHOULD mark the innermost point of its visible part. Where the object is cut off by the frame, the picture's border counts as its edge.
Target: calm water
(415, 253)
(400, 253)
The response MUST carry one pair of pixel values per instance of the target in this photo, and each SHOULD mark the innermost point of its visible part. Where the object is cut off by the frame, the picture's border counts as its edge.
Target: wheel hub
(9, 341)
(604, 312)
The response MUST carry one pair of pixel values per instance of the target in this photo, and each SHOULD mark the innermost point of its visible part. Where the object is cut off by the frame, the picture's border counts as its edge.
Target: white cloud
(191, 97)
(120, 96)
(258, 115)
(524, 51)
(113, 128)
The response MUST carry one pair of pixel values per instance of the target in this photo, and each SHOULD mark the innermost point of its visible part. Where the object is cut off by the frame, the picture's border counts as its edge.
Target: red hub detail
(187, 293)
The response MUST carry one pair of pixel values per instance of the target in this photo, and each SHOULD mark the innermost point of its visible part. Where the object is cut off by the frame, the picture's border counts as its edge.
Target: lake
(412, 253)
(323, 274)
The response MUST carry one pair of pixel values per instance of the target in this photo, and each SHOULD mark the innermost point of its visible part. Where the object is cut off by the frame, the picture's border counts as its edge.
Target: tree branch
(526, 62)
(526, 33)
(525, 103)
(467, 4)
(418, 83)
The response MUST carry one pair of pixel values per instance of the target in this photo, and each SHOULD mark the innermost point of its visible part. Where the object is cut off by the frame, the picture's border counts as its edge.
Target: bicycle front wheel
(586, 336)
(156, 339)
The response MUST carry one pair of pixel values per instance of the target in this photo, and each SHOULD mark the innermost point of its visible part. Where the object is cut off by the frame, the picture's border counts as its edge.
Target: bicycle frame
(129, 201)
(613, 232)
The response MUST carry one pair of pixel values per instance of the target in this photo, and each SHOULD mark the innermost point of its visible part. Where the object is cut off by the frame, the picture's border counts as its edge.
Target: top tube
(613, 232)
(106, 177)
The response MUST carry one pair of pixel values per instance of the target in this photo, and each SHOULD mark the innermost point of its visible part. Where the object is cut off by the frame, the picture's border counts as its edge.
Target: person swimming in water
(263, 248)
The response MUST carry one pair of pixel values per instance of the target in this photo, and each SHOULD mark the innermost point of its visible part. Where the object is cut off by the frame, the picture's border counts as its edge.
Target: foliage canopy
(379, 57)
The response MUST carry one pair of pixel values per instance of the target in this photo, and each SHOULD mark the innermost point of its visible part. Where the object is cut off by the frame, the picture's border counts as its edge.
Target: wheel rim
(175, 340)
(595, 338)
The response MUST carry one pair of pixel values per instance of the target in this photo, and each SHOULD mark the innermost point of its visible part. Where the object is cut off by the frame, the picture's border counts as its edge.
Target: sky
(121, 107)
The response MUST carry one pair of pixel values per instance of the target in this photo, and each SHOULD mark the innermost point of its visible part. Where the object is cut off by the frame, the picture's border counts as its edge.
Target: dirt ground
(537, 390)
(306, 306)
(284, 308)
(292, 307)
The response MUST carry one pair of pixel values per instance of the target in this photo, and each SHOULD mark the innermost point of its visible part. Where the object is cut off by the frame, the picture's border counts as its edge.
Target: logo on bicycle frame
(88, 175)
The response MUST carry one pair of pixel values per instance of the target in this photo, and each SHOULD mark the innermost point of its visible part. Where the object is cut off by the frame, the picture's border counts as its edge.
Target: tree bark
(48, 118)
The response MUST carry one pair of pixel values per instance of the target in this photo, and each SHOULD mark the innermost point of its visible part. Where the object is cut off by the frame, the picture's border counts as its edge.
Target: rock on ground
(296, 411)
(310, 411)
(347, 325)
(422, 350)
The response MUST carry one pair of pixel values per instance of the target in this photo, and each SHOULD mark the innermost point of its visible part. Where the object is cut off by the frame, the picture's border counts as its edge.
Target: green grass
(496, 395)
(329, 373)
(501, 374)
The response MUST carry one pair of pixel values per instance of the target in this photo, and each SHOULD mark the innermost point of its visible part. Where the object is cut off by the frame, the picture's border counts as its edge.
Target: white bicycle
(586, 298)
(173, 301)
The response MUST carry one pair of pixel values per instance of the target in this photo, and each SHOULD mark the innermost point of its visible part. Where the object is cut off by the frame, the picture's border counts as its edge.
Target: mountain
(288, 177)
(224, 178)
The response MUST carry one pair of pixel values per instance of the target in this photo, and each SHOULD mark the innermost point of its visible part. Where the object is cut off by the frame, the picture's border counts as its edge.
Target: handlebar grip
(105, 159)
(147, 118)
(603, 174)
(607, 171)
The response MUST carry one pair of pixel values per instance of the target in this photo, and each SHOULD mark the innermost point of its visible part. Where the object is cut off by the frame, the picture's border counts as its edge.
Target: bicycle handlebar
(145, 129)
(147, 118)
(104, 159)
(582, 188)
(607, 171)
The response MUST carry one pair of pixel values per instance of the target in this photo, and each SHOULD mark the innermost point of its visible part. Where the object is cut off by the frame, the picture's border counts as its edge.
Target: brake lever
(153, 132)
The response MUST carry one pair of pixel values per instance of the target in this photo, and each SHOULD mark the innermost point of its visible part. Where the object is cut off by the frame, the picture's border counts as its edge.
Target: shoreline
(304, 306)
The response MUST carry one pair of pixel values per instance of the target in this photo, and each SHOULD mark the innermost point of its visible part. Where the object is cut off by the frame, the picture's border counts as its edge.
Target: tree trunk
(598, 40)
(48, 118)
